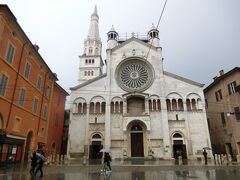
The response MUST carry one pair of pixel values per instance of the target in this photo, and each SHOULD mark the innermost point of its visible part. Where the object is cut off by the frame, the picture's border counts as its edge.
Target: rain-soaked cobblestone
(163, 170)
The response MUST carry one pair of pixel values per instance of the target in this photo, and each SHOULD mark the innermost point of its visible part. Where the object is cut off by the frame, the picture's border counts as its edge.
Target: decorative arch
(97, 136)
(96, 146)
(97, 105)
(97, 99)
(79, 105)
(193, 101)
(174, 95)
(116, 105)
(137, 122)
(29, 144)
(179, 145)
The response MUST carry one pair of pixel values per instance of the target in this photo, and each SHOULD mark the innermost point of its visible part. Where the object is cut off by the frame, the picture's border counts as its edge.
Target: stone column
(108, 126)
(124, 106)
(165, 130)
(86, 144)
(146, 105)
(188, 137)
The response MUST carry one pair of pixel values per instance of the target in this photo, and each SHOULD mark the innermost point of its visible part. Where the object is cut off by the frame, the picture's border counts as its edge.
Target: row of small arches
(88, 73)
(89, 61)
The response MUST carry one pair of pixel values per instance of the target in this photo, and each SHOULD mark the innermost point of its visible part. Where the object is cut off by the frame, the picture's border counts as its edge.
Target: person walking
(41, 159)
(107, 159)
(205, 156)
(34, 159)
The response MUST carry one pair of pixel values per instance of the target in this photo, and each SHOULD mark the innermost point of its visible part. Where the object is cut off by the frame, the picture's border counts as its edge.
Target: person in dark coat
(107, 159)
(40, 161)
(205, 156)
(34, 159)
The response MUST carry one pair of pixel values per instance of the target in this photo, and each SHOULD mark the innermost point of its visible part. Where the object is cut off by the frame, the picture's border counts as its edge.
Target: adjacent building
(56, 122)
(136, 108)
(223, 103)
(27, 93)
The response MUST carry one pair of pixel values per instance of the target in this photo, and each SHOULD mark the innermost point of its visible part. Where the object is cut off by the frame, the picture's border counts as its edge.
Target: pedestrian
(41, 159)
(33, 163)
(205, 156)
(107, 159)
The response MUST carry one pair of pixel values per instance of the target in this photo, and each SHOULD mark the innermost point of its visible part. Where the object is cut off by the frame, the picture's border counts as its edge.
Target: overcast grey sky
(198, 37)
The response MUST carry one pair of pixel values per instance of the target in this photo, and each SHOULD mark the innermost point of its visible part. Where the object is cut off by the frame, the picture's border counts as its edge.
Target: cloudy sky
(198, 37)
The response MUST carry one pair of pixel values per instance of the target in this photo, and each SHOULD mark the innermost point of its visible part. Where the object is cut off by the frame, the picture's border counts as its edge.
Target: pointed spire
(95, 13)
(93, 32)
(112, 29)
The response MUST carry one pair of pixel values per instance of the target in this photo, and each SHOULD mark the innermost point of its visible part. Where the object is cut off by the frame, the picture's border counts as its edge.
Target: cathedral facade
(135, 109)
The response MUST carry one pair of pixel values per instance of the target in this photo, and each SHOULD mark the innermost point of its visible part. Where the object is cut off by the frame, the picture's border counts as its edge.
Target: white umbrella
(41, 156)
(105, 150)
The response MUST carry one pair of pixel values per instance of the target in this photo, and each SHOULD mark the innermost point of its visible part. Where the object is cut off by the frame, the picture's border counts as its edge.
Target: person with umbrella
(41, 159)
(107, 160)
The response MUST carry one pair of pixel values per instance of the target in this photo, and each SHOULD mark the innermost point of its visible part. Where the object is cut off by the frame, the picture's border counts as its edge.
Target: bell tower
(91, 62)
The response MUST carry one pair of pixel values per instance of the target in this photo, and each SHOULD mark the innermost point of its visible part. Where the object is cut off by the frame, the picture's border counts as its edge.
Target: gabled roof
(216, 81)
(183, 79)
(88, 82)
(133, 39)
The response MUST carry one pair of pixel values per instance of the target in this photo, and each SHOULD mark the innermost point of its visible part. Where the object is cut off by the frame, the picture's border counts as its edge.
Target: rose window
(134, 75)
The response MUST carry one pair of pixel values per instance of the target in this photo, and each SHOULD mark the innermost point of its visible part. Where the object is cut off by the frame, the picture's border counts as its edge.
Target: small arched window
(85, 73)
(177, 135)
(136, 128)
(89, 73)
(92, 73)
(92, 61)
(90, 50)
(96, 136)
(86, 61)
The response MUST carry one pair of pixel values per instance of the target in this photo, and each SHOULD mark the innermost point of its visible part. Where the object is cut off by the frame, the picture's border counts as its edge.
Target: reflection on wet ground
(128, 173)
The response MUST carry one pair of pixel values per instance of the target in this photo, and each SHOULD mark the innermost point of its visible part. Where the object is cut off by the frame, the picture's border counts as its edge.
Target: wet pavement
(129, 170)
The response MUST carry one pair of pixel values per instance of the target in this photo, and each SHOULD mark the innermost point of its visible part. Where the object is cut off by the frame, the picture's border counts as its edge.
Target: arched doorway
(95, 147)
(137, 149)
(28, 144)
(179, 148)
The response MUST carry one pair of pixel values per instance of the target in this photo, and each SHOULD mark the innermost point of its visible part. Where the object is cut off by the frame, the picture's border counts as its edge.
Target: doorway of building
(179, 148)
(95, 147)
(230, 151)
(28, 144)
(137, 141)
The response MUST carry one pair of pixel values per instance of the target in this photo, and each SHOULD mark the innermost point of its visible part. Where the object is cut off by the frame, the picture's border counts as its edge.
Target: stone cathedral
(134, 107)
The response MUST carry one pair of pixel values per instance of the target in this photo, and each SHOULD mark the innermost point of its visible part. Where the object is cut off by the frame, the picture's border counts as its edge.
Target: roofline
(28, 40)
(183, 79)
(88, 82)
(131, 39)
(63, 90)
(210, 86)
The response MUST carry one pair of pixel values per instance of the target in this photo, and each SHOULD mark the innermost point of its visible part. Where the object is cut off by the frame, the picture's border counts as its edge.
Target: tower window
(86, 61)
(90, 50)
(92, 61)
(88, 73)
(92, 73)
(85, 73)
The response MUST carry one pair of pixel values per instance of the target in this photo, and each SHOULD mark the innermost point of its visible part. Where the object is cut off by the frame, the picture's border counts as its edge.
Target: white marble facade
(136, 109)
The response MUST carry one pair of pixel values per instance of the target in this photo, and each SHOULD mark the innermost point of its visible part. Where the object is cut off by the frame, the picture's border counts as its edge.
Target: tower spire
(93, 32)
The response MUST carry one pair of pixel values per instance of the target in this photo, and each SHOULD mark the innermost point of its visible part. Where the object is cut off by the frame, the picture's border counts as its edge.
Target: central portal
(137, 141)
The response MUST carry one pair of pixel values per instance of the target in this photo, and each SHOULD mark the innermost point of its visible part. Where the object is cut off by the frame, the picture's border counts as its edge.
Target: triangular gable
(88, 82)
(133, 39)
(183, 79)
